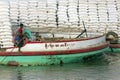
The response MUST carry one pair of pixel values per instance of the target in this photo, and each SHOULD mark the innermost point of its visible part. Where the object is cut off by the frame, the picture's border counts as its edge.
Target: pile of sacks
(73, 13)
(62, 13)
(5, 26)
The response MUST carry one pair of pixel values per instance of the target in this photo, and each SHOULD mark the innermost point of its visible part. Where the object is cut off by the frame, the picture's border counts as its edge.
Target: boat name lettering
(52, 45)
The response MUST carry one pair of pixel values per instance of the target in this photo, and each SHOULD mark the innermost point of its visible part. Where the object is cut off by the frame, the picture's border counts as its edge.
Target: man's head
(21, 25)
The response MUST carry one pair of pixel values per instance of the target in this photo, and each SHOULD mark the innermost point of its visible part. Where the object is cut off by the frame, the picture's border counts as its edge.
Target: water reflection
(7, 73)
(104, 67)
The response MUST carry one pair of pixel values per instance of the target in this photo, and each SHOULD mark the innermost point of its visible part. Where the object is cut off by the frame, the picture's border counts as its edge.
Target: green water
(103, 67)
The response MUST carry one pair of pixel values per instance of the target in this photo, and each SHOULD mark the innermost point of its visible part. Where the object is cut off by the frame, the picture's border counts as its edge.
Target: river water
(103, 67)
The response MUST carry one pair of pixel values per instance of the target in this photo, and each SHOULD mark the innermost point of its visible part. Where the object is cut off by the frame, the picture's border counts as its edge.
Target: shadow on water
(108, 58)
(102, 67)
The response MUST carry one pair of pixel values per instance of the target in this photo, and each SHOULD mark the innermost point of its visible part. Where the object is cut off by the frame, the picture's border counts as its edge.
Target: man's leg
(20, 44)
(19, 49)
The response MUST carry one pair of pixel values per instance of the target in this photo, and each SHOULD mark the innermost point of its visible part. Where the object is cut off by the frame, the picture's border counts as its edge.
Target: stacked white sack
(42, 17)
(51, 13)
(111, 6)
(14, 12)
(62, 13)
(102, 9)
(83, 10)
(111, 28)
(33, 14)
(23, 12)
(118, 8)
(5, 26)
(93, 16)
(73, 13)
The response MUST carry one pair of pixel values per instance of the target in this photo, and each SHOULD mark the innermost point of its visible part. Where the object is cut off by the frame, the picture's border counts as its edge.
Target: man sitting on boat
(21, 35)
(18, 40)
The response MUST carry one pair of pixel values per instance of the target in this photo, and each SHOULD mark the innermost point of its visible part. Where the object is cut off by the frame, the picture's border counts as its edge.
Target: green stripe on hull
(47, 60)
(115, 50)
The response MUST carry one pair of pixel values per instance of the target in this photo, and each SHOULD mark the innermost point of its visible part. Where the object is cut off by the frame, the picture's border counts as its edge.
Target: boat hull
(36, 60)
(114, 48)
(54, 52)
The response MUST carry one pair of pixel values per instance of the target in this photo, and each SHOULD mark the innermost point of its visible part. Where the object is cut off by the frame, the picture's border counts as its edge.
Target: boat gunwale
(67, 40)
(114, 45)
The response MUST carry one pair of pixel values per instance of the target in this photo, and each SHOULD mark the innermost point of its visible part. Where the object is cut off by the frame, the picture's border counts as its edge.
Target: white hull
(60, 45)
